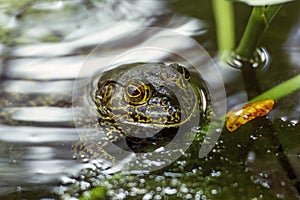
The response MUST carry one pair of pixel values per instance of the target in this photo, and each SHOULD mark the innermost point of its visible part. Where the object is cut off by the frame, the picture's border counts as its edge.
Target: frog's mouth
(161, 120)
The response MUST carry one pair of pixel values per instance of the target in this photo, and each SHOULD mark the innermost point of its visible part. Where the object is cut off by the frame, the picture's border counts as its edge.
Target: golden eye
(133, 91)
(137, 92)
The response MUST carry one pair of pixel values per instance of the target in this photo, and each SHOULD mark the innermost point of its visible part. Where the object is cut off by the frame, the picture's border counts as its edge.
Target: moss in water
(226, 181)
(96, 193)
(6, 36)
(217, 176)
(15, 4)
(50, 38)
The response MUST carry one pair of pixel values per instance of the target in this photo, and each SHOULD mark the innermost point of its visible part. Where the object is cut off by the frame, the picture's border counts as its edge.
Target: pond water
(44, 46)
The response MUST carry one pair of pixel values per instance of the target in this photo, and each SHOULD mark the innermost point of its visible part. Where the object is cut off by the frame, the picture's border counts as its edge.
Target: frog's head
(146, 95)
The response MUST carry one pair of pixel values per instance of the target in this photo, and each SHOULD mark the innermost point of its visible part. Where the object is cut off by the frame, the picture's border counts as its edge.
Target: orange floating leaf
(238, 117)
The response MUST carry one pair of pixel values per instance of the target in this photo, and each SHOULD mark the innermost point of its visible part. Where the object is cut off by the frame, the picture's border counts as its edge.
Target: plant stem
(259, 20)
(256, 25)
(271, 11)
(224, 18)
(280, 90)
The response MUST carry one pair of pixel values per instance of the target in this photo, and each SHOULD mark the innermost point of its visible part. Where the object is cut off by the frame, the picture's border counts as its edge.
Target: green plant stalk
(259, 21)
(254, 29)
(281, 90)
(224, 19)
(277, 92)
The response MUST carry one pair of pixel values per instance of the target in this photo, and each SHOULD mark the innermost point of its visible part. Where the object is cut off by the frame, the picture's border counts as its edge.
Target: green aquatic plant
(224, 19)
(285, 88)
(262, 14)
(260, 19)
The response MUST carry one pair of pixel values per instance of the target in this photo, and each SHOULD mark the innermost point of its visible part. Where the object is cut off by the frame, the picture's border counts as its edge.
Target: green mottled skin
(135, 100)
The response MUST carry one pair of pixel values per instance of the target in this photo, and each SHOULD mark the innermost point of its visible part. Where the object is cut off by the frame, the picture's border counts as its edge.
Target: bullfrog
(140, 107)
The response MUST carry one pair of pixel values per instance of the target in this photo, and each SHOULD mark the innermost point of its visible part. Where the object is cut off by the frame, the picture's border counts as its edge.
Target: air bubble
(282, 183)
(284, 118)
(214, 191)
(170, 191)
(253, 137)
(184, 189)
(215, 174)
(147, 196)
(294, 122)
(264, 175)
(251, 156)
(280, 196)
(19, 189)
(259, 60)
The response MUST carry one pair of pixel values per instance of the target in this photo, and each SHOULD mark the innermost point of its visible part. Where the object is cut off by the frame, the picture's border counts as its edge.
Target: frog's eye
(182, 70)
(137, 92)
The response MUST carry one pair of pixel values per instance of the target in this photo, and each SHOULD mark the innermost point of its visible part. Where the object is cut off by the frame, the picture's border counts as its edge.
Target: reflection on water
(42, 55)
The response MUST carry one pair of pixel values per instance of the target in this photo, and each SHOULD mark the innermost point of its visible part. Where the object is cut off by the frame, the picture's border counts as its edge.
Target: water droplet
(235, 184)
(19, 189)
(251, 156)
(253, 137)
(280, 196)
(84, 185)
(264, 175)
(188, 196)
(284, 118)
(184, 189)
(215, 174)
(203, 197)
(67, 180)
(147, 196)
(142, 180)
(159, 178)
(170, 191)
(213, 191)
(218, 130)
(294, 122)
(259, 60)
(262, 183)
(158, 189)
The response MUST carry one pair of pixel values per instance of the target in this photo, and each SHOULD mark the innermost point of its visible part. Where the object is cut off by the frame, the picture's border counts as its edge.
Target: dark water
(44, 45)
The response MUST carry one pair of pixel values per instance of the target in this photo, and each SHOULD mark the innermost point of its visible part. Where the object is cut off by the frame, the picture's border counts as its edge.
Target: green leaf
(262, 2)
